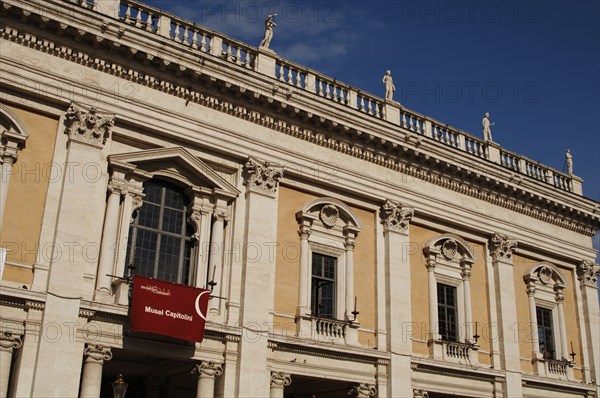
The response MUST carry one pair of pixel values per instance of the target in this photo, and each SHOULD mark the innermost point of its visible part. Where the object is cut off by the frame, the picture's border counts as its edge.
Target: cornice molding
(323, 352)
(377, 150)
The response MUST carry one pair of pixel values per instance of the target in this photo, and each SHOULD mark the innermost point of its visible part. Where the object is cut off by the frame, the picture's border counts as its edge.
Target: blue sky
(534, 65)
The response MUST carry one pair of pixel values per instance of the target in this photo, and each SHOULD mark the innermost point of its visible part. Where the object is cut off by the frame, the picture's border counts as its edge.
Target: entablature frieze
(338, 353)
(417, 158)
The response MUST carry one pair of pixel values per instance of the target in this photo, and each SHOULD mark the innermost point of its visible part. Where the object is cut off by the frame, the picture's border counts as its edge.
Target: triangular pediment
(175, 163)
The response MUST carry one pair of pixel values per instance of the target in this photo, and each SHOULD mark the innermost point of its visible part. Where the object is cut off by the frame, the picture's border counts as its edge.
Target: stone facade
(278, 168)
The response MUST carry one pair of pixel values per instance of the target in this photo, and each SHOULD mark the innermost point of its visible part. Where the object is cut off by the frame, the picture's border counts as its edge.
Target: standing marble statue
(269, 25)
(569, 162)
(487, 131)
(389, 85)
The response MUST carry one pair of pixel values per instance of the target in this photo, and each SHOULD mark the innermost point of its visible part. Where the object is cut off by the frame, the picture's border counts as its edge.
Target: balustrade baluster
(334, 94)
(248, 60)
(238, 56)
(319, 83)
(149, 24)
(203, 43)
(176, 35)
(229, 54)
(128, 13)
(281, 73)
(195, 39)
(138, 18)
(186, 34)
(289, 76)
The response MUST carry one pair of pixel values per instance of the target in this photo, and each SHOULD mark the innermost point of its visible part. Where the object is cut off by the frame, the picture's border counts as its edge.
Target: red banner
(169, 309)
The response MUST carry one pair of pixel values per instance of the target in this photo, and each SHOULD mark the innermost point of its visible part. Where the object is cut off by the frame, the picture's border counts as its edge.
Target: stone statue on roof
(269, 25)
(389, 85)
(569, 162)
(487, 131)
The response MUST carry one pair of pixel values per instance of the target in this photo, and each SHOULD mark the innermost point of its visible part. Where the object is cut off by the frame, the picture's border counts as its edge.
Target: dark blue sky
(534, 65)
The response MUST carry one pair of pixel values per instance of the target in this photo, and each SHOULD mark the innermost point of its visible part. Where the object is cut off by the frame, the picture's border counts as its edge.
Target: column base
(104, 296)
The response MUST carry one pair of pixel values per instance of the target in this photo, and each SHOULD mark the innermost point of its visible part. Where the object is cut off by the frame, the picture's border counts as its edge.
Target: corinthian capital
(8, 342)
(88, 125)
(208, 369)
(363, 391)
(501, 247)
(262, 177)
(588, 272)
(97, 353)
(280, 379)
(396, 217)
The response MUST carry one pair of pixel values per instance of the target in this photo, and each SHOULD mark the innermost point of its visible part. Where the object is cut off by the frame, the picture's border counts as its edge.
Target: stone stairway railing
(302, 79)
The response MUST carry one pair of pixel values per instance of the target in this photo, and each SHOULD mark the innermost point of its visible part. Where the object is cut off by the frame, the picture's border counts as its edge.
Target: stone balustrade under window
(329, 329)
(556, 367)
(458, 350)
(302, 79)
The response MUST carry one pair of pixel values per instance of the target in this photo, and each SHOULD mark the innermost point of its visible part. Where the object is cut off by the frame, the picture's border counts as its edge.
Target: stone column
(466, 275)
(433, 309)
(363, 391)
(8, 343)
(91, 381)
(258, 274)
(79, 222)
(564, 351)
(11, 144)
(304, 289)
(215, 260)
(535, 344)
(109, 240)
(502, 249)
(279, 380)
(201, 218)
(207, 372)
(133, 195)
(349, 245)
(587, 273)
(395, 219)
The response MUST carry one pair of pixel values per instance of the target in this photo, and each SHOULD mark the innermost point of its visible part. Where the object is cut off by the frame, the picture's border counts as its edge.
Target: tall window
(160, 238)
(323, 286)
(545, 332)
(447, 312)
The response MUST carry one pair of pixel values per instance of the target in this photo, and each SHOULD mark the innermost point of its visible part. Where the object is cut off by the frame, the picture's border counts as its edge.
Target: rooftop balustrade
(302, 79)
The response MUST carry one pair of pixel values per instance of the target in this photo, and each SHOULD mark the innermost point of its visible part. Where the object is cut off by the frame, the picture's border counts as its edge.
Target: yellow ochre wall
(288, 263)
(521, 264)
(27, 195)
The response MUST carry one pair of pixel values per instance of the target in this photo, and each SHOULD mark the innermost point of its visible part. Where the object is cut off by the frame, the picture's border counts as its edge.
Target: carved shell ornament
(545, 275)
(329, 215)
(449, 249)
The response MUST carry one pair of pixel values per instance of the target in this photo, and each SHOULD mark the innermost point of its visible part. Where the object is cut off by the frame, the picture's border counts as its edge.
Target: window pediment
(449, 249)
(332, 214)
(545, 276)
(176, 164)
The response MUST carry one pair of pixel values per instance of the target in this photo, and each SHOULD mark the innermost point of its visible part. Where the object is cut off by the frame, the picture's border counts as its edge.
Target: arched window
(449, 260)
(160, 244)
(328, 230)
(545, 291)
